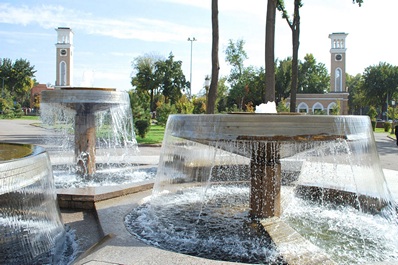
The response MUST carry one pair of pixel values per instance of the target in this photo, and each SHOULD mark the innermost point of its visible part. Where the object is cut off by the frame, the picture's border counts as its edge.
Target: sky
(108, 35)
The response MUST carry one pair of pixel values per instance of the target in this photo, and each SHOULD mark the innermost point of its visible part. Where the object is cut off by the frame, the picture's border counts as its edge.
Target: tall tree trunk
(270, 52)
(215, 67)
(296, 43)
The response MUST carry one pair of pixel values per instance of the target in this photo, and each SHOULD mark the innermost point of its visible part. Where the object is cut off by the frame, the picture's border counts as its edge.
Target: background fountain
(31, 228)
(312, 184)
(95, 140)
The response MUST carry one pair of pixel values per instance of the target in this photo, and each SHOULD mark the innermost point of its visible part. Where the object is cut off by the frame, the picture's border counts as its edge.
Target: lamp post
(190, 73)
(207, 86)
(393, 116)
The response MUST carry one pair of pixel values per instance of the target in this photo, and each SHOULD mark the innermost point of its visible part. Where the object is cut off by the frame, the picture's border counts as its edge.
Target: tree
(249, 88)
(139, 102)
(314, 77)
(235, 55)
(269, 94)
(380, 84)
(356, 99)
(171, 79)
(283, 79)
(222, 94)
(145, 78)
(215, 67)
(295, 28)
(18, 79)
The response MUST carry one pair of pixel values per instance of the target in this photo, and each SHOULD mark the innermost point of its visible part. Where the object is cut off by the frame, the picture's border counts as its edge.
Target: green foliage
(145, 80)
(184, 106)
(233, 108)
(222, 94)
(374, 125)
(282, 106)
(246, 83)
(199, 105)
(313, 76)
(283, 78)
(18, 78)
(139, 102)
(171, 78)
(387, 126)
(391, 113)
(142, 127)
(155, 76)
(18, 112)
(249, 88)
(235, 56)
(380, 83)
(319, 112)
(356, 99)
(372, 113)
(335, 110)
(163, 111)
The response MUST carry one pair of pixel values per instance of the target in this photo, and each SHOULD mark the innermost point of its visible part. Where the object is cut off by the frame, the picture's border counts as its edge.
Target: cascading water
(327, 185)
(104, 120)
(31, 226)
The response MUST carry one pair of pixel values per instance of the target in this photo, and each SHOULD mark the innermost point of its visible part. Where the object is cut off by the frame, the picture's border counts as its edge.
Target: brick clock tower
(337, 60)
(325, 103)
(64, 49)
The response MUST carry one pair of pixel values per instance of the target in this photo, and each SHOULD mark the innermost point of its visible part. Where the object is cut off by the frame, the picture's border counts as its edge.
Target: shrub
(387, 126)
(163, 111)
(142, 127)
(373, 125)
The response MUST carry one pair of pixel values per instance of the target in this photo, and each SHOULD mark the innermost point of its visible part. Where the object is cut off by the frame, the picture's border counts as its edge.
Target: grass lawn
(32, 118)
(154, 136)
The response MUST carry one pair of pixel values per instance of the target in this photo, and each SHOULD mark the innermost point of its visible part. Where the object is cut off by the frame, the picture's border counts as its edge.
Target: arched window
(302, 108)
(317, 108)
(62, 73)
(331, 106)
(338, 81)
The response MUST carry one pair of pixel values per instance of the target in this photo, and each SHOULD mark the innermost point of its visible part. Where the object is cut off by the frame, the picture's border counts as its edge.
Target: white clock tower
(64, 49)
(337, 66)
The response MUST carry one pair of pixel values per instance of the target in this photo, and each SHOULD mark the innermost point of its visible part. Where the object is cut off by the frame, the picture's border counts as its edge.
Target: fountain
(94, 150)
(84, 104)
(302, 189)
(31, 226)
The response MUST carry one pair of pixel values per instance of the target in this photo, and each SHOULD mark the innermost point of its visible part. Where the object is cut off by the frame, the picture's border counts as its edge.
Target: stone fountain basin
(247, 128)
(30, 221)
(93, 99)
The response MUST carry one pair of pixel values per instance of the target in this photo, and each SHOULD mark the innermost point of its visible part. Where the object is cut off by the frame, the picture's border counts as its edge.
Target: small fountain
(270, 189)
(94, 146)
(82, 105)
(31, 227)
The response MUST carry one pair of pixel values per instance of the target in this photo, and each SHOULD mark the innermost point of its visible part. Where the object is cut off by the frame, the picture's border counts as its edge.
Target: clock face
(63, 52)
(338, 57)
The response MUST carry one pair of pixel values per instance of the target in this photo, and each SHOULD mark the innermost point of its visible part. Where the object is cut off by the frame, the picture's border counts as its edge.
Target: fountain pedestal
(85, 136)
(265, 173)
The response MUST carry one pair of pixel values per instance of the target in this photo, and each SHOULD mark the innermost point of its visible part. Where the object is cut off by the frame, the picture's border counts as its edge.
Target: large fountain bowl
(317, 178)
(31, 227)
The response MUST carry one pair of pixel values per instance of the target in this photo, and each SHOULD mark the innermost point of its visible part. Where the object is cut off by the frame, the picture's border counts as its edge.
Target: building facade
(338, 95)
(64, 57)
